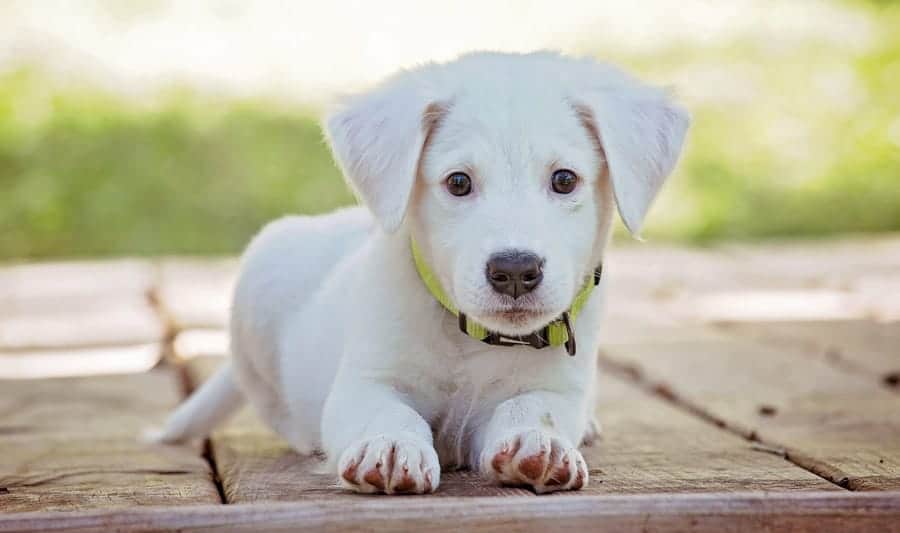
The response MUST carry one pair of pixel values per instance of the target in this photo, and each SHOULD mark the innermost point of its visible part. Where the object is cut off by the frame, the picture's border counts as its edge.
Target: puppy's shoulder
(352, 220)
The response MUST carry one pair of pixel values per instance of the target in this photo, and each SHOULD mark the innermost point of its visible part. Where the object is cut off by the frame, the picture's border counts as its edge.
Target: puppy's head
(506, 169)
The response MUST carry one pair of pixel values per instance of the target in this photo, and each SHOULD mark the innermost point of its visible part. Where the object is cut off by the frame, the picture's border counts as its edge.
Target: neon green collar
(556, 333)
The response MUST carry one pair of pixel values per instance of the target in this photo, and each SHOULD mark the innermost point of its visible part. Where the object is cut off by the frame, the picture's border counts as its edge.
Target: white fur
(339, 345)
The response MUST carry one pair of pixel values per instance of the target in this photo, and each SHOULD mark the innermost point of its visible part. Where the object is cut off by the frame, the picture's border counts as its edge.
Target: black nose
(514, 272)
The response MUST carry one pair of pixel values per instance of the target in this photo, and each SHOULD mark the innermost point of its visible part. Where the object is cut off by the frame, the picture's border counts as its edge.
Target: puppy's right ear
(377, 139)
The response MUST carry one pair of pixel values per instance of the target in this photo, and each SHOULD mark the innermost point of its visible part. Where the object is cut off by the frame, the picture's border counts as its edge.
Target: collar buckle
(570, 342)
(537, 340)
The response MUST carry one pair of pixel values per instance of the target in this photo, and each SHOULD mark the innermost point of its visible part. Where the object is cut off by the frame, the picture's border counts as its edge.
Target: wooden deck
(753, 387)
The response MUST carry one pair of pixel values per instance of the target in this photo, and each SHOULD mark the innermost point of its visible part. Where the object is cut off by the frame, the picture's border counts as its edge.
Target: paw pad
(391, 466)
(533, 458)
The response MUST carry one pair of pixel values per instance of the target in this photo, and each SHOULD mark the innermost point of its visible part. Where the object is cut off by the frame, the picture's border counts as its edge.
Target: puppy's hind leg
(211, 404)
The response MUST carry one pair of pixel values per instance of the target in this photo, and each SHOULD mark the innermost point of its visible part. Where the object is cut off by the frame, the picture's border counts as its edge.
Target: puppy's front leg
(530, 440)
(382, 443)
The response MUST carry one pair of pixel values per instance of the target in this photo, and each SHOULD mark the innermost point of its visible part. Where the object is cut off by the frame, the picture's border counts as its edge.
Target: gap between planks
(169, 357)
(187, 388)
(170, 328)
(821, 469)
(665, 392)
(654, 448)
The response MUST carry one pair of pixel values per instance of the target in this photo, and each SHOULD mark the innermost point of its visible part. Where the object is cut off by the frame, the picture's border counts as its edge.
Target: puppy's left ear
(641, 131)
(377, 139)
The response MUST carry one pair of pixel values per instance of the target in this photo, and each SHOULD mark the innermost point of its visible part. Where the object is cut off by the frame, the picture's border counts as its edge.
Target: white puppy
(503, 172)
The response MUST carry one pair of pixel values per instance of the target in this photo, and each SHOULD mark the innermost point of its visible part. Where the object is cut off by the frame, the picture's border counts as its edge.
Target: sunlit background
(152, 127)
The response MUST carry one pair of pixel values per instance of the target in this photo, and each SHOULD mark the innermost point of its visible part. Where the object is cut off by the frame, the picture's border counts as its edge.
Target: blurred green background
(798, 138)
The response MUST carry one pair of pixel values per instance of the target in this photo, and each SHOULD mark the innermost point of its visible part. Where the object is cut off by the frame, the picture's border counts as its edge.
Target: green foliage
(792, 138)
(87, 174)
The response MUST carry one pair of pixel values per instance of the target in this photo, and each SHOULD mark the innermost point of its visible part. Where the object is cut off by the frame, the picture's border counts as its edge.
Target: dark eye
(563, 181)
(459, 184)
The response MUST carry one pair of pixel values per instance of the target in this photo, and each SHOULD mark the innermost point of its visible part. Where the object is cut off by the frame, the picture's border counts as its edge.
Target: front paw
(533, 458)
(392, 464)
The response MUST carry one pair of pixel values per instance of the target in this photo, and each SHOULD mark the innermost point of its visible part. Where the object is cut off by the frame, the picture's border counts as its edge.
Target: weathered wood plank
(837, 424)
(828, 263)
(255, 465)
(196, 293)
(804, 397)
(840, 262)
(201, 342)
(822, 280)
(79, 304)
(71, 444)
(62, 362)
(714, 513)
(647, 447)
(861, 346)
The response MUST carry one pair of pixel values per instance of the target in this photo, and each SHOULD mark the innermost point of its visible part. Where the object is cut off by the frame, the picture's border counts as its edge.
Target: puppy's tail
(210, 405)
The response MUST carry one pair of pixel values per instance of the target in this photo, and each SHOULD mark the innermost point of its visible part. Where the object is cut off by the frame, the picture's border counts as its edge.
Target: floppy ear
(377, 139)
(641, 131)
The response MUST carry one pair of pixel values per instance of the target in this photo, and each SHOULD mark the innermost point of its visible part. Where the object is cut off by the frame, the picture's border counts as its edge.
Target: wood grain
(647, 446)
(797, 359)
(845, 264)
(862, 346)
(76, 305)
(255, 465)
(828, 280)
(796, 392)
(72, 444)
(849, 263)
(834, 423)
(65, 362)
(713, 513)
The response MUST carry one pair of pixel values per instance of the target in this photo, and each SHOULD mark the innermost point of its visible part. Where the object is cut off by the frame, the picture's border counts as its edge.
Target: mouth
(516, 319)
(516, 314)
(514, 322)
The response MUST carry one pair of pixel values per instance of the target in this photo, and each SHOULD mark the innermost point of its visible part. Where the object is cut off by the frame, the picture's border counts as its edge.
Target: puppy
(453, 321)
